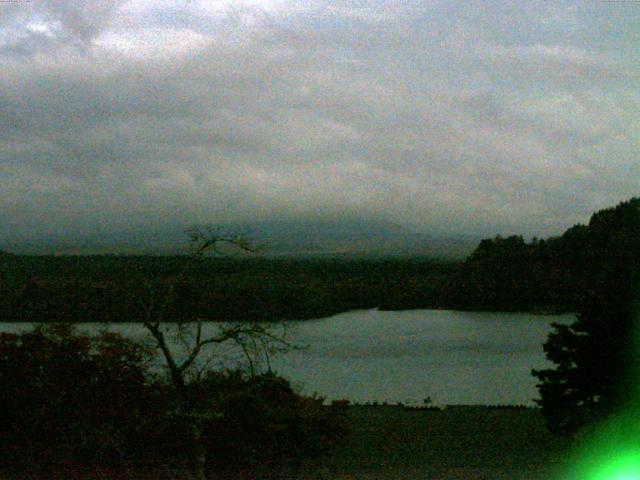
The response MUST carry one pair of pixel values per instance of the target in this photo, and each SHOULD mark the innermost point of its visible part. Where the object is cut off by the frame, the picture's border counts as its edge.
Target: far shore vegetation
(502, 274)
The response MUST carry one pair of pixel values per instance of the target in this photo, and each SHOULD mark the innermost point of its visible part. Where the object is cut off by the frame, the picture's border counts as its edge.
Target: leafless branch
(254, 339)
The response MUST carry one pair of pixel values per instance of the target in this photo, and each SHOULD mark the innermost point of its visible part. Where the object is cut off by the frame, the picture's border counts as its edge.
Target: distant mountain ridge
(358, 237)
(324, 237)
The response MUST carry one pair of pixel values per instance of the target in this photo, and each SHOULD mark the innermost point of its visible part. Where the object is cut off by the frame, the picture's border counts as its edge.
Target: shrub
(73, 399)
(71, 396)
(261, 419)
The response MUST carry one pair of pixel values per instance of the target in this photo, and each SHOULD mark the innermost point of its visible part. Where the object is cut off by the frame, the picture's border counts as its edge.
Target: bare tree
(257, 341)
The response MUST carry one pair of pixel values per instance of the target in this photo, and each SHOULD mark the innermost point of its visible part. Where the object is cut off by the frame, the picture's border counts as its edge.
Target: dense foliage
(514, 275)
(556, 274)
(596, 358)
(114, 289)
(72, 398)
(260, 418)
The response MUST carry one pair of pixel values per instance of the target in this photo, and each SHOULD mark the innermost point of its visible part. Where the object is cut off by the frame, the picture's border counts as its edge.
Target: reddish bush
(66, 395)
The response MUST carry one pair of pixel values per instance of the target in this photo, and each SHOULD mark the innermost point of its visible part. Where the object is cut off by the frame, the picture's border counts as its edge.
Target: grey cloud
(41, 27)
(83, 19)
(442, 118)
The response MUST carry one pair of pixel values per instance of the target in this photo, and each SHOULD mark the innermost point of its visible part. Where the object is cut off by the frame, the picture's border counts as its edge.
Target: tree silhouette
(595, 358)
(257, 340)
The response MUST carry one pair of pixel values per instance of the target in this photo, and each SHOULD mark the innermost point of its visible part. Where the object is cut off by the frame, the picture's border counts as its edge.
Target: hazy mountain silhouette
(345, 236)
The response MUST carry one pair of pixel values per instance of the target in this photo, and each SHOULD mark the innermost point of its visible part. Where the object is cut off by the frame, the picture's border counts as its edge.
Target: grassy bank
(456, 443)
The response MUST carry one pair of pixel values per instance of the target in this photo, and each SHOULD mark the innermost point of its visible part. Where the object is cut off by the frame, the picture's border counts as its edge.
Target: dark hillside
(549, 275)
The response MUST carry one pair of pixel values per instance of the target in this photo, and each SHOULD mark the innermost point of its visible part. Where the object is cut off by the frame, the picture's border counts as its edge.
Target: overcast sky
(476, 117)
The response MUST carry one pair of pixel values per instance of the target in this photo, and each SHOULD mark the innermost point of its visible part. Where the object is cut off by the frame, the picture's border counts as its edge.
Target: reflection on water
(369, 355)
(453, 357)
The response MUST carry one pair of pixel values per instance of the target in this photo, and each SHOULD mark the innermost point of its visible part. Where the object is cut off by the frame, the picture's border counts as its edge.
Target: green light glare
(610, 453)
(611, 450)
(623, 467)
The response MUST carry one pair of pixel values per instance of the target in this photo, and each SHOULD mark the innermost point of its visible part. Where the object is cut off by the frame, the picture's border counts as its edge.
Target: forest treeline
(556, 274)
(117, 288)
(504, 273)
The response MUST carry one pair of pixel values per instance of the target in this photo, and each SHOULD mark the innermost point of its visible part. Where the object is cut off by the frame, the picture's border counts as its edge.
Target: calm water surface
(368, 355)
(453, 357)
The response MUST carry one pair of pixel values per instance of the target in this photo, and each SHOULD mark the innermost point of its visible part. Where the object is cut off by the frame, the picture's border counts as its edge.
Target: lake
(452, 357)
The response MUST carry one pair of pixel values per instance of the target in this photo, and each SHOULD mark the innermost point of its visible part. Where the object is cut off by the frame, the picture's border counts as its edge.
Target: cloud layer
(447, 117)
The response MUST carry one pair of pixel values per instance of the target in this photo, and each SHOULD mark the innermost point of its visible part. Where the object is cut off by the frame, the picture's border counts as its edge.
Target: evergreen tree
(596, 357)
